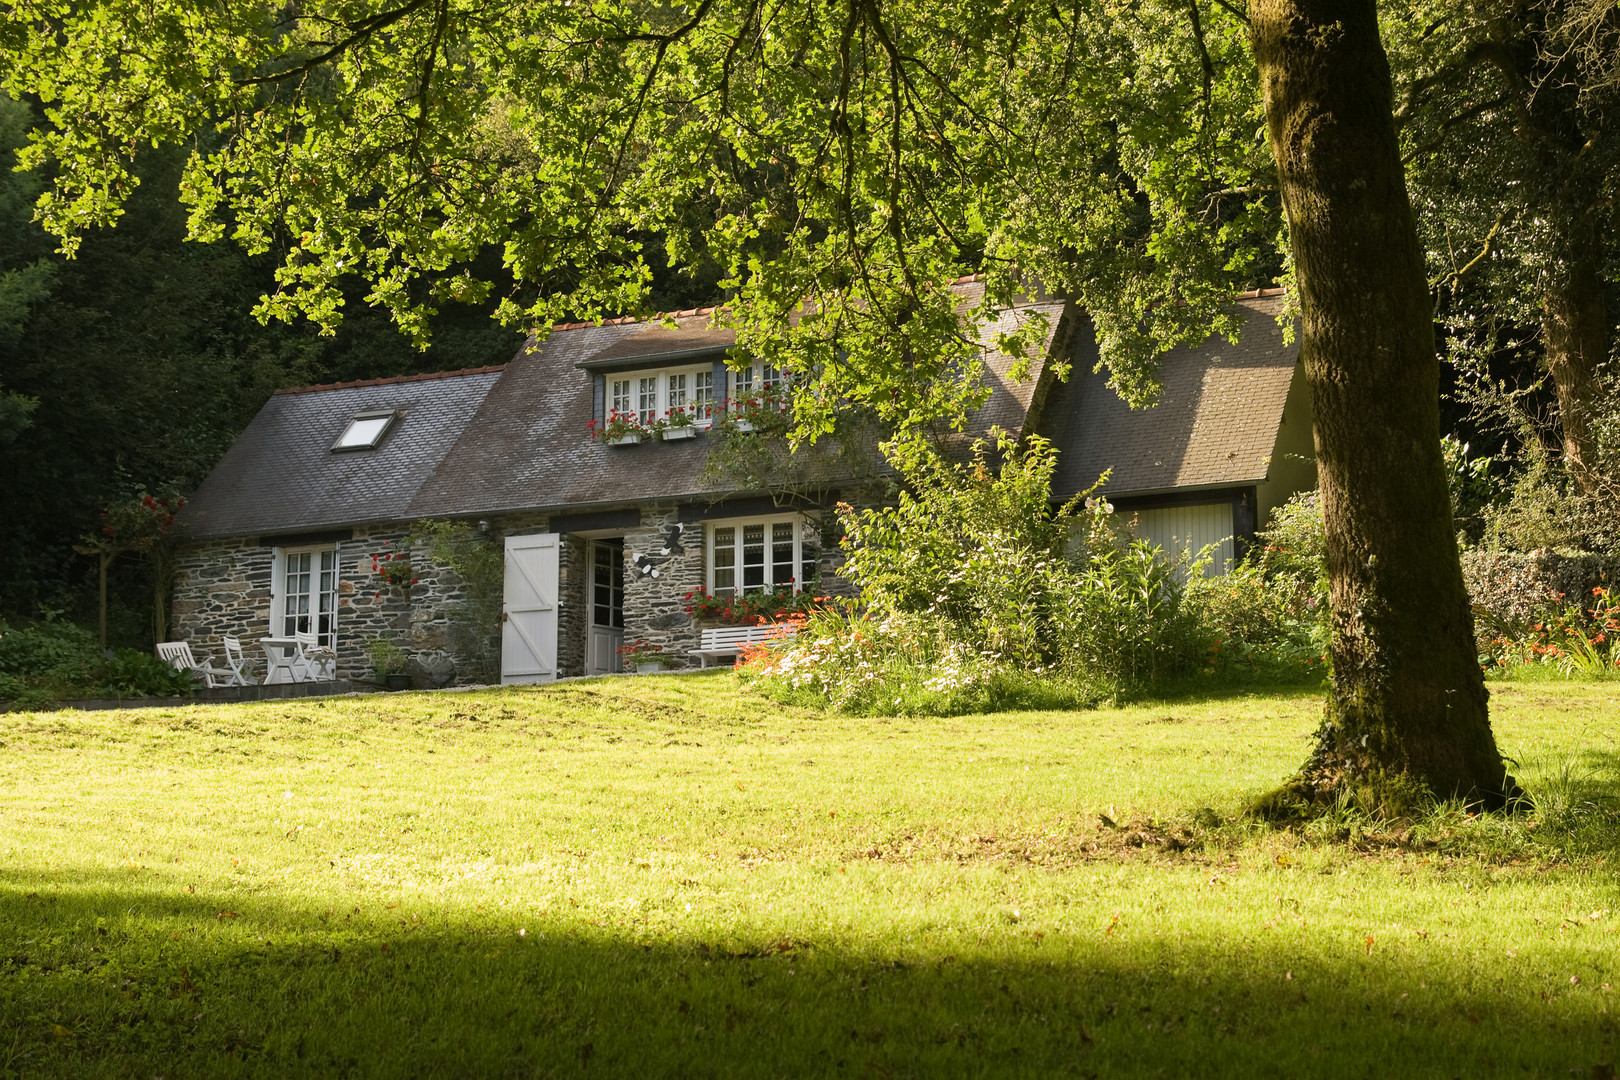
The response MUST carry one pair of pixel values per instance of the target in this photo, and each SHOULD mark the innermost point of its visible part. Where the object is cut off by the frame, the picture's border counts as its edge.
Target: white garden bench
(722, 641)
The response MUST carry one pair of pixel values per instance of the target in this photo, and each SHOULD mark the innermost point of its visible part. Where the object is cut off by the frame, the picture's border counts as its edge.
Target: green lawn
(674, 877)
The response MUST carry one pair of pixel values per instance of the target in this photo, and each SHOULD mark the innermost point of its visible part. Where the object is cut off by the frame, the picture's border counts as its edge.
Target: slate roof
(515, 438)
(660, 345)
(1010, 399)
(1215, 424)
(527, 448)
(281, 475)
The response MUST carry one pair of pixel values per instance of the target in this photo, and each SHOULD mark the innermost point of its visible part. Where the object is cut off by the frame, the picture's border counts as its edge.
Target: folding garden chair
(321, 660)
(178, 655)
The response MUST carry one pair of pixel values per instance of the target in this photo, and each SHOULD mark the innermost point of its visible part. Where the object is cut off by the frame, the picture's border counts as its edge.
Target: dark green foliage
(132, 673)
(50, 660)
(133, 367)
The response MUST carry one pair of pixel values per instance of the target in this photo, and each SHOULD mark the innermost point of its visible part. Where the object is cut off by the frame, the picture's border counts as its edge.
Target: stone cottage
(584, 462)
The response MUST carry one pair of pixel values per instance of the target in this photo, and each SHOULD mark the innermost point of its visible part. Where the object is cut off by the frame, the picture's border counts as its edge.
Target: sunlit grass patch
(675, 877)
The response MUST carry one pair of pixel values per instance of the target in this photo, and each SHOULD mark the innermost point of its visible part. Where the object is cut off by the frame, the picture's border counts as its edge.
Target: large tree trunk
(1406, 712)
(1575, 333)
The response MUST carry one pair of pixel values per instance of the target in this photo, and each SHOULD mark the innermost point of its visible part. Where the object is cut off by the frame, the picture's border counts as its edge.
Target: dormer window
(667, 396)
(366, 430)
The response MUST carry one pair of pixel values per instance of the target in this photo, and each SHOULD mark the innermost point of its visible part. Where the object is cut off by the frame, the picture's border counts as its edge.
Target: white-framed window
(366, 430)
(304, 586)
(754, 554)
(703, 395)
(757, 385)
(651, 396)
(619, 397)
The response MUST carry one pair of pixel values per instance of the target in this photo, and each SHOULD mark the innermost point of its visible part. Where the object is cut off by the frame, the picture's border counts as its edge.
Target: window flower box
(620, 429)
(685, 431)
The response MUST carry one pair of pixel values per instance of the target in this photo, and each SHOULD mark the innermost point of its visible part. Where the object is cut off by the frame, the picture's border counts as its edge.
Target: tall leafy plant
(973, 544)
(978, 552)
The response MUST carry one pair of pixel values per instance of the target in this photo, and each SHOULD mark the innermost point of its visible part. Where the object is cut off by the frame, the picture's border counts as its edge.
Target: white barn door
(529, 615)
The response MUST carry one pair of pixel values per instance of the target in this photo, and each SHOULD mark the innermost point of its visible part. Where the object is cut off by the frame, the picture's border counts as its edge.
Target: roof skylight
(365, 431)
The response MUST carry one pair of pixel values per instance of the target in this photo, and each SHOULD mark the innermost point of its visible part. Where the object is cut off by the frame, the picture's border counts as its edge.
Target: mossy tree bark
(1407, 706)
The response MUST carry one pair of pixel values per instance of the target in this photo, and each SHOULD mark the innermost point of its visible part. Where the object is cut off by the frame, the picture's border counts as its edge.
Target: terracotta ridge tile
(390, 380)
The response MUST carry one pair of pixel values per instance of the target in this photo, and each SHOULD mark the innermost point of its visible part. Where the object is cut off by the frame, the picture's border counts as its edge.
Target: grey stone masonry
(223, 588)
(663, 562)
(573, 594)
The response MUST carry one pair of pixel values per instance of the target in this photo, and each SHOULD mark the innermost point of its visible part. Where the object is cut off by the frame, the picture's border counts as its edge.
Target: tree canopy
(1509, 111)
(842, 163)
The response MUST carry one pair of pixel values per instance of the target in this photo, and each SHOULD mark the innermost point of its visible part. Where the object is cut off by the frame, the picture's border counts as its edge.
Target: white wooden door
(529, 617)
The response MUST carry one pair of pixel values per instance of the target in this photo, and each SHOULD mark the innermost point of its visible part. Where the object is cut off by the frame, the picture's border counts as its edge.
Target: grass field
(673, 877)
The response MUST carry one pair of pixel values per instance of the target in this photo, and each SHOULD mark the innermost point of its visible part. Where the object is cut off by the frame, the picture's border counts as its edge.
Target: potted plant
(388, 661)
(644, 658)
(394, 568)
(619, 429)
(678, 423)
(780, 603)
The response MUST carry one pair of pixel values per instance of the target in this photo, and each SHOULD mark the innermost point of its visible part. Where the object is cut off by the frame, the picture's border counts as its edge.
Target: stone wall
(663, 562)
(223, 588)
(572, 598)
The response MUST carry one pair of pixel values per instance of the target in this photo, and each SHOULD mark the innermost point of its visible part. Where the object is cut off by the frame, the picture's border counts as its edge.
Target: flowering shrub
(899, 664)
(1269, 616)
(978, 594)
(777, 604)
(145, 525)
(1575, 641)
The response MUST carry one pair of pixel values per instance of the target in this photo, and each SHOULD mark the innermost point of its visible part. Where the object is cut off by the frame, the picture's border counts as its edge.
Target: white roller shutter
(1177, 529)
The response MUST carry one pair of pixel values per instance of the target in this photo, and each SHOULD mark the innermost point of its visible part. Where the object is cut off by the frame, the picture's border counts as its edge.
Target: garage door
(1176, 529)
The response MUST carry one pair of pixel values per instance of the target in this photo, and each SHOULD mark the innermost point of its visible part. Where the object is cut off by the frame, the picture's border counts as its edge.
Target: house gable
(1215, 426)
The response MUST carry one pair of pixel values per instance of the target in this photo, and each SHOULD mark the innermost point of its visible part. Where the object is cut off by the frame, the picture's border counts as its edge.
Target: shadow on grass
(101, 978)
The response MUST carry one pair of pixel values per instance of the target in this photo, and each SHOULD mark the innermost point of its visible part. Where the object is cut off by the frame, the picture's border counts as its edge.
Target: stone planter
(687, 432)
(624, 440)
(649, 667)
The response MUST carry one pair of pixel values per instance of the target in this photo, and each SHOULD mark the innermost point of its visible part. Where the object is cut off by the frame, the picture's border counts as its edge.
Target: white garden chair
(177, 654)
(320, 660)
(236, 660)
